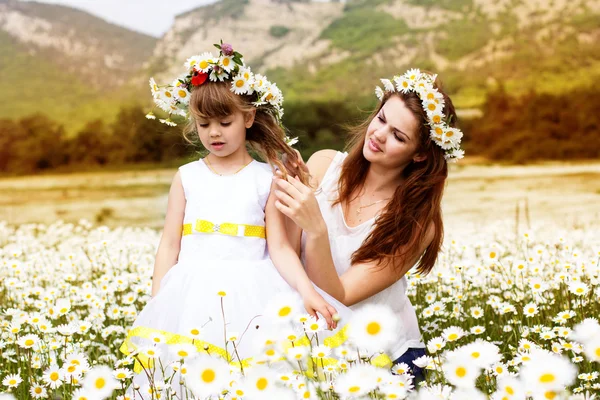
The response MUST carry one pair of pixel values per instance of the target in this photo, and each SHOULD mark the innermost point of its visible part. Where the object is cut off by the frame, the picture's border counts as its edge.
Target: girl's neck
(236, 159)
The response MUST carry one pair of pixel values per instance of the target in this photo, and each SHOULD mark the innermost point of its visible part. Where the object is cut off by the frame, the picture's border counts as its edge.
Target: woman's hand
(314, 302)
(298, 202)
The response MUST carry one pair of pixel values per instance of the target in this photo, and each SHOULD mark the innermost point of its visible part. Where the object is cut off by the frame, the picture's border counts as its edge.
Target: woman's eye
(401, 139)
(381, 118)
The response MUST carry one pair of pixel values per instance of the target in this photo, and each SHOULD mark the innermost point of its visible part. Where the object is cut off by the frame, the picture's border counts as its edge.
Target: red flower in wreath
(199, 78)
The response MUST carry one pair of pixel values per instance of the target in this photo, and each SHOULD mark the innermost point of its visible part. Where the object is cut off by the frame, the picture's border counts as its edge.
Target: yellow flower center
(475, 354)
(262, 384)
(452, 336)
(226, 62)
(354, 389)
(208, 375)
(54, 376)
(285, 311)
(461, 372)
(182, 93)
(203, 64)
(195, 332)
(373, 328)
(239, 83)
(100, 383)
(29, 342)
(509, 390)
(547, 378)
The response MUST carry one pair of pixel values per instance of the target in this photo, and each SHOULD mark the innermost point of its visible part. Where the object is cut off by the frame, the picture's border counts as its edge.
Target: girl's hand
(314, 302)
(298, 202)
(292, 166)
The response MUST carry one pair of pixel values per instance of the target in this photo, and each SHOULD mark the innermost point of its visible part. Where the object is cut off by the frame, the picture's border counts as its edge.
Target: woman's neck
(382, 182)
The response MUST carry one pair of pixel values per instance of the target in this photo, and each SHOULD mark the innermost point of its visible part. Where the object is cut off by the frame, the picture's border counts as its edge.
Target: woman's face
(392, 138)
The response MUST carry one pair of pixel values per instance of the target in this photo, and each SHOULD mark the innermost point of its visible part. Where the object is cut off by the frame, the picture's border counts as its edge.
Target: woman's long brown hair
(402, 227)
(265, 136)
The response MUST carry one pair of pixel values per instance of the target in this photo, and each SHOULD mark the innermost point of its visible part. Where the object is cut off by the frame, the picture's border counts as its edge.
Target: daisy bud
(205, 347)
(136, 386)
(336, 317)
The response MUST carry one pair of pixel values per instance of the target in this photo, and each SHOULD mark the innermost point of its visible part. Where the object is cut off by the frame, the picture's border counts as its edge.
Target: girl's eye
(381, 118)
(203, 125)
(225, 123)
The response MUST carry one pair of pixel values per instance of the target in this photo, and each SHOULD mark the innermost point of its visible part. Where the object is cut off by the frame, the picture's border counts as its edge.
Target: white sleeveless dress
(223, 263)
(344, 241)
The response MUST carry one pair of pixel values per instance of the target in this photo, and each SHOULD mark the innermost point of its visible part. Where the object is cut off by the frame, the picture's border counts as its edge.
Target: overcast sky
(153, 17)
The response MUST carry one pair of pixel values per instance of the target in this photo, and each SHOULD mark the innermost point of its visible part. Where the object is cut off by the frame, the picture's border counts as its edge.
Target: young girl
(213, 276)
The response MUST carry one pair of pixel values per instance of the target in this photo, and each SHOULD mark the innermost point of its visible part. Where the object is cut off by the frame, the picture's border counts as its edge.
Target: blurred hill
(66, 63)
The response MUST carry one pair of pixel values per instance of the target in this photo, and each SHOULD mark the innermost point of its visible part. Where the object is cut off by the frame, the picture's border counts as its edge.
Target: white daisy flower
(260, 83)
(227, 63)
(388, 85)
(12, 381)
(122, 374)
(379, 93)
(297, 353)
(100, 382)
(284, 308)
(453, 333)
(207, 376)
(52, 376)
(413, 74)
(153, 87)
(184, 350)
(313, 325)
(28, 341)
(547, 372)
(373, 328)
(321, 351)
(461, 371)
(218, 75)
(260, 382)
(240, 85)
(403, 84)
(182, 94)
(38, 392)
(205, 62)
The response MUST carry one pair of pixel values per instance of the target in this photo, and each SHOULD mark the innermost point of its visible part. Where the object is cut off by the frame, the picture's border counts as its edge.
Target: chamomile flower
(12, 381)
(379, 93)
(227, 63)
(373, 328)
(100, 382)
(240, 85)
(403, 84)
(204, 62)
(52, 377)
(207, 376)
(388, 85)
(38, 392)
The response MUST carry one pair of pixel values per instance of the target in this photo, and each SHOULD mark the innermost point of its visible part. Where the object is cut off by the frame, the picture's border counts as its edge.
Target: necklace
(212, 169)
(359, 209)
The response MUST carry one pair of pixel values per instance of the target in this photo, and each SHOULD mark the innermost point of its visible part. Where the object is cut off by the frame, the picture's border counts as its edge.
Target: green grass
(464, 37)
(364, 30)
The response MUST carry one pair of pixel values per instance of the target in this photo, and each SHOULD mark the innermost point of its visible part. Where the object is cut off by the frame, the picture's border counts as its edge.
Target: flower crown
(445, 136)
(227, 66)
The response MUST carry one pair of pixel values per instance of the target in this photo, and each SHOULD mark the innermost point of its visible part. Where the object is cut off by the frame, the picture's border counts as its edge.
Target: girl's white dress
(224, 280)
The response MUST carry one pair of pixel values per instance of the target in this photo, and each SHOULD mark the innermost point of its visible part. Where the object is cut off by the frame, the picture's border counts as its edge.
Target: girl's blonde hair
(265, 136)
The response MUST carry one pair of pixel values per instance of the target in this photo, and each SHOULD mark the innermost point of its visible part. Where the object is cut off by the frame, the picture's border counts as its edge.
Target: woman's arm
(170, 241)
(360, 281)
(288, 264)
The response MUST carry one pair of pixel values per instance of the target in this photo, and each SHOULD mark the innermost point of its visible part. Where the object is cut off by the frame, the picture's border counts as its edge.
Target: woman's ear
(419, 157)
(249, 118)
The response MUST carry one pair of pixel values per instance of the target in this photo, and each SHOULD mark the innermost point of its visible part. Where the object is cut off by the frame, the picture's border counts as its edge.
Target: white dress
(345, 240)
(223, 263)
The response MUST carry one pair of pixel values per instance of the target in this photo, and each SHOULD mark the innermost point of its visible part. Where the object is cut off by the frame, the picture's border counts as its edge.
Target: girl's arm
(288, 264)
(170, 241)
(360, 281)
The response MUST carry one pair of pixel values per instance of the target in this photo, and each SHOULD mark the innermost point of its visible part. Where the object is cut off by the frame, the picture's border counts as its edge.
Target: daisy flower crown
(228, 65)
(413, 80)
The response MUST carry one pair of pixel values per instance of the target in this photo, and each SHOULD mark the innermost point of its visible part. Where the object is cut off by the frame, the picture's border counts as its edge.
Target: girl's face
(392, 137)
(224, 136)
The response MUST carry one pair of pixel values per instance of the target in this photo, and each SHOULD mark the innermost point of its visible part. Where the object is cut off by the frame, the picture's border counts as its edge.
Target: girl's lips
(217, 145)
(373, 146)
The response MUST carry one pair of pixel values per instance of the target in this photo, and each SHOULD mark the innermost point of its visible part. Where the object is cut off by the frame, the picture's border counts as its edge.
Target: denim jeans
(408, 357)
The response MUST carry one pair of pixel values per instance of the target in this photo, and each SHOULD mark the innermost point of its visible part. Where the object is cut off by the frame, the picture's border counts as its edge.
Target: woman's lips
(373, 146)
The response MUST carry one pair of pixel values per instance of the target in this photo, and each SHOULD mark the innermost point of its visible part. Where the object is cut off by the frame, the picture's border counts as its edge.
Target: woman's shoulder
(318, 164)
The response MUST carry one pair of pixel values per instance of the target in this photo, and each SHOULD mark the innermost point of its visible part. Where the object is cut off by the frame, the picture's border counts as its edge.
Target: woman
(377, 210)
